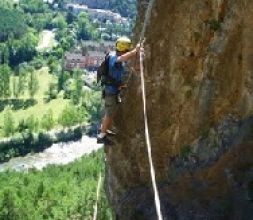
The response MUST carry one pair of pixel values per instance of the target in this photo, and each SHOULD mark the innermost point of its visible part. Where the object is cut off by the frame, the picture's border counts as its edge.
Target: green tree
(59, 22)
(85, 29)
(5, 73)
(33, 84)
(8, 209)
(4, 53)
(32, 123)
(22, 50)
(51, 93)
(15, 89)
(70, 18)
(8, 126)
(62, 79)
(68, 117)
(53, 65)
(12, 24)
(33, 6)
(47, 121)
(77, 90)
(22, 79)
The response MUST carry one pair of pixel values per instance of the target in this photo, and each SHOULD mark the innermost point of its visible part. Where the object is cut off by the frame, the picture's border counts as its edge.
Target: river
(58, 154)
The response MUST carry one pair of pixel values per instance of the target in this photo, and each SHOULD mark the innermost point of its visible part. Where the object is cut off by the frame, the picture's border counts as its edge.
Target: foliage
(53, 65)
(17, 104)
(72, 115)
(47, 121)
(32, 123)
(33, 84)
(24, 49)
(22, 78)
(15, 89)
(8, 125)
(12, 24)
(65, 192)
(62, 79)
(33, 6)
(77, 86)
(91, 101)
(5, 73)
(51, 93)
(59, 22)
(127, 8)
(185, 151)
(85, 29)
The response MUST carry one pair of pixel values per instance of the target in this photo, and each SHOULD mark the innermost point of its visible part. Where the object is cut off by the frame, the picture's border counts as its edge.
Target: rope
(147, 19)
(97, 197)
(152, 170)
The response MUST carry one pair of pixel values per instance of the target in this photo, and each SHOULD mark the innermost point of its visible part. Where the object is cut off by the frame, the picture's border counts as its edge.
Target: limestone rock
(199, 82)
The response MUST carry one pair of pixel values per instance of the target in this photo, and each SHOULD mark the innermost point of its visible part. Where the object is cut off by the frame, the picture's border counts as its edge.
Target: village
(90, 54)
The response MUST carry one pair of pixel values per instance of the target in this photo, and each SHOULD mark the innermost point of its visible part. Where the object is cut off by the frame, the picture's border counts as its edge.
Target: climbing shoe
(104, 140)
(110, 132)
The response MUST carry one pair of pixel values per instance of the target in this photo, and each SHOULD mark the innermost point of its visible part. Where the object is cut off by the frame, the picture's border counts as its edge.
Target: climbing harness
(152, 170)
(97, 197)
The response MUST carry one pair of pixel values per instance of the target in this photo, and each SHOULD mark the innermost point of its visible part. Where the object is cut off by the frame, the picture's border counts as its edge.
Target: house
(89, 61)
(97, 14)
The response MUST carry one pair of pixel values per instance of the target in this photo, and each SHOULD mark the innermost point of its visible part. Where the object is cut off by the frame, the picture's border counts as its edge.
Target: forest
(65, 192)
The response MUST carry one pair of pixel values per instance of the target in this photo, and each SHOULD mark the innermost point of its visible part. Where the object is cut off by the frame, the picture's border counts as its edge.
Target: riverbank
(28, 142)
(58, 154)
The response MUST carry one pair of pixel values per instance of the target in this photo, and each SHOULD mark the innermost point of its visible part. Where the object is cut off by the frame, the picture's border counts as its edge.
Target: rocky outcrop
(199, 71)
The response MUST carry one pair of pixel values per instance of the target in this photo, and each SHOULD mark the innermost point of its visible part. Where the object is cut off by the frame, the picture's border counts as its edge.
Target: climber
(117, 61)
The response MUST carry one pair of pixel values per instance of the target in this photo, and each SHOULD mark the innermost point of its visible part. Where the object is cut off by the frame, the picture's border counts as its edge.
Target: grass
(38, 110)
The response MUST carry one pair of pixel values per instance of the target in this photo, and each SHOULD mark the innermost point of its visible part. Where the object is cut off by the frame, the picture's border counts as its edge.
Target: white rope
(97, 197)
(152, 170)
(147, 18)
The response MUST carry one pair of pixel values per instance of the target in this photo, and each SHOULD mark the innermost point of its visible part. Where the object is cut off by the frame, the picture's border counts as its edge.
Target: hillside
(198, 69)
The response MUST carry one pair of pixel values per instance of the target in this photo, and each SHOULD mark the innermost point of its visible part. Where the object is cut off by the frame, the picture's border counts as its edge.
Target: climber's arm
(127, 56)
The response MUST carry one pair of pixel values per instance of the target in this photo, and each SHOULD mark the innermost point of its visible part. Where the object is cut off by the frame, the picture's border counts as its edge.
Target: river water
(58, 154)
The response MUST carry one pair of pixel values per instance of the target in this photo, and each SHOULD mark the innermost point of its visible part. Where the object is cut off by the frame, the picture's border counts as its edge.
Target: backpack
(103, 70)
(103, 75)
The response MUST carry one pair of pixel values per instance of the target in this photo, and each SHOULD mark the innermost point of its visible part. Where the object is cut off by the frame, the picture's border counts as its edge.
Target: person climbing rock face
(116, 69)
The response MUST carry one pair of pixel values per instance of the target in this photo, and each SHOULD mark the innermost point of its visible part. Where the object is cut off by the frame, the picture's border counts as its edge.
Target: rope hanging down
(152, 170)
(147, 19)
(98, 193)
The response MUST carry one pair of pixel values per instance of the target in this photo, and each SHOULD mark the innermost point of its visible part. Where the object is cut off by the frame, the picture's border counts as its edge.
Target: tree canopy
(12, 24)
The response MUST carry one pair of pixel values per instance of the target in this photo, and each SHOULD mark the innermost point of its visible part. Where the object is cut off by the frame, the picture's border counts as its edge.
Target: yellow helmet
(123, 44)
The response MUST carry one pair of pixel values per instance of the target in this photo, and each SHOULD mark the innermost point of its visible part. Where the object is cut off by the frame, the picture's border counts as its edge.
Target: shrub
(44, 141)
(51, 93)
(77, 133)
(185, 151)
(8, 126)
(47, 121)
(68, 117)
(32, 123)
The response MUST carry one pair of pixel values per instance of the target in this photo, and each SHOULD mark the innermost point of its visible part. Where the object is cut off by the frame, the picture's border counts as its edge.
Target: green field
(38, 110)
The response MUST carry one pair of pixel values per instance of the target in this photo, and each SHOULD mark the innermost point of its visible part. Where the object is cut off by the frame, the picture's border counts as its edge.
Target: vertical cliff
(199, 79)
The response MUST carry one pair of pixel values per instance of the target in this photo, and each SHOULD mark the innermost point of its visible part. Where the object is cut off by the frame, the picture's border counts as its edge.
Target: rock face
(199, 82)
